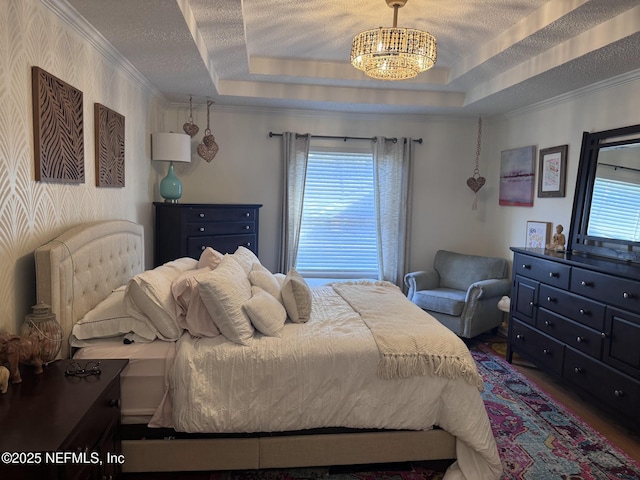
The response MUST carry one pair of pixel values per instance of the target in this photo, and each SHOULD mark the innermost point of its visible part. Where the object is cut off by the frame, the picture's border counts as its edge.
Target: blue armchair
(462, 291)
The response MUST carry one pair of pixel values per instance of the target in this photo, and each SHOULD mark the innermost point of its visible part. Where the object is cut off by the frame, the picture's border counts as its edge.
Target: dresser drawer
(575, 307)
(545, 350)
(573, 334)
(620, 392)
(620, 292)
(218, 214)
(552, 273)
(223, 244)
(220, 228)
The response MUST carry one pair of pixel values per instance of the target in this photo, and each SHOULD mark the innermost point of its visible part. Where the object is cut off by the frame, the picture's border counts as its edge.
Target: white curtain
(392, 179)
(296, 154)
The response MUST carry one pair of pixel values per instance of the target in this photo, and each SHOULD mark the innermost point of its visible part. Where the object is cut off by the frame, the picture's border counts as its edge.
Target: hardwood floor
(613, 429)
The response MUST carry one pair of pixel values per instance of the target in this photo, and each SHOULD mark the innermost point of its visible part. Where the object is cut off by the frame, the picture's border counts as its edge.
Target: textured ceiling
(494, 56)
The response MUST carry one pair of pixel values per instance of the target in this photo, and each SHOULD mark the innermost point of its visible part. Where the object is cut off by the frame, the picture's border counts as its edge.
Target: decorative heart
(209, 140)
(190, 128)
(476, 184)
(207, 153)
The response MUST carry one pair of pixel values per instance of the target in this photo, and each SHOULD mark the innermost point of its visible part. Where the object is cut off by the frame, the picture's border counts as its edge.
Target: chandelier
(393, 53)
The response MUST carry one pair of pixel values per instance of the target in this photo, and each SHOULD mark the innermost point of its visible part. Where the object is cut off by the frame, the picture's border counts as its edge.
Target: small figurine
(15, 350)
(558, 240)
(4, 379)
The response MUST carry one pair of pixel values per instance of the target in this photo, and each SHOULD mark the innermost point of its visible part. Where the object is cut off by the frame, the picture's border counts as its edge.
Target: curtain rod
(331, 137)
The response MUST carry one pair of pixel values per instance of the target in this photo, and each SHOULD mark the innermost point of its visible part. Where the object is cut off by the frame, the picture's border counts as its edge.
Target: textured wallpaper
(31, 212)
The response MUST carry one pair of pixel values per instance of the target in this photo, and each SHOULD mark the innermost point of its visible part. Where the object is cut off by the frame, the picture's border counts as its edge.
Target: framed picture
(538, 234)
(109, 147)
(58, 131)
(553, 171)
(517, 175)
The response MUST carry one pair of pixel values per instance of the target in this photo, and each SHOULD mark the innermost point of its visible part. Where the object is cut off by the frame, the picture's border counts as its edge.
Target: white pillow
(266, 313)
(148, 296)
(191, 312)
(210, 258)
(224, 291)
(296, 297)
(260, 276)
(246, 258)
(110, 319)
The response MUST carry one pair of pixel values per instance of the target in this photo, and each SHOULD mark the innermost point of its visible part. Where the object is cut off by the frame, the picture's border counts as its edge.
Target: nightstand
(62, 427)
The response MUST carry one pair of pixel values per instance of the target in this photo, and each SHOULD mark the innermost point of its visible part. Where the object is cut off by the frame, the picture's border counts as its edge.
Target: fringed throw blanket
(411, 342)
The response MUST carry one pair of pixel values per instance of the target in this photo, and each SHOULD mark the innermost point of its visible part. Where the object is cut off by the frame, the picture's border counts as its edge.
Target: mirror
(606, 210)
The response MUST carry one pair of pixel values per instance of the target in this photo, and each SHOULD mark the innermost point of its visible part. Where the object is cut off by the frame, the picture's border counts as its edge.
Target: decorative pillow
(246, 258)
(110, 319)
(148, 297)
(192, 315)
(296, 297)
(266, 313)
(224, 291)
(210, 258)
(260, 276)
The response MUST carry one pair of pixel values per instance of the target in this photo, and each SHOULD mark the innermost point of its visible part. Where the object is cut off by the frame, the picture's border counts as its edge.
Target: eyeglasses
(75, 370)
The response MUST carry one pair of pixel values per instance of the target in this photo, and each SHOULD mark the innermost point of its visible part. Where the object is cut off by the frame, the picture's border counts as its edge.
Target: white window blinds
(338, 230)
(614, 209)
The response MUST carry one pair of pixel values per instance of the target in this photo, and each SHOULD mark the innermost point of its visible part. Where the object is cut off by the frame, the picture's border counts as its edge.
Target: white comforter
(323, 373)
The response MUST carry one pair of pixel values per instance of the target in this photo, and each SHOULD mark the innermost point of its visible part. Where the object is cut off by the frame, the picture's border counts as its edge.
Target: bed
(333, 387)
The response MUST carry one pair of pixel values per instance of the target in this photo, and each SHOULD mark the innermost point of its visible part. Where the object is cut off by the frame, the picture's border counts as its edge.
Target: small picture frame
(538, 234)
(552, 174)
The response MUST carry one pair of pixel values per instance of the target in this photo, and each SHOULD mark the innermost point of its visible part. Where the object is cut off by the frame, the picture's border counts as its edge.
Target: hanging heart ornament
(476, 183)
(190, 128)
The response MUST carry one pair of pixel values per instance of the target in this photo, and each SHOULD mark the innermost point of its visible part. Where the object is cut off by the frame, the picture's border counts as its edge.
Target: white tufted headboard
(81, 267)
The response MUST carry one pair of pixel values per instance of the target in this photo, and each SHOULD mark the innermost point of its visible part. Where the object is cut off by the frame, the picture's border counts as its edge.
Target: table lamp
(171, 147)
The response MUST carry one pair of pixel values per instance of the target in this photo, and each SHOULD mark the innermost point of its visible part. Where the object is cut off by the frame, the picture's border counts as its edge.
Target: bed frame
(78, 269)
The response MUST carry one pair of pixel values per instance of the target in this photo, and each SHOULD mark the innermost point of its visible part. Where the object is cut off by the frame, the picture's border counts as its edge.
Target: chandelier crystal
(392, 53)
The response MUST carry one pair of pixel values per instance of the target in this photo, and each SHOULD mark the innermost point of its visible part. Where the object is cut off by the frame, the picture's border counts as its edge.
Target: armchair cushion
(443, 300)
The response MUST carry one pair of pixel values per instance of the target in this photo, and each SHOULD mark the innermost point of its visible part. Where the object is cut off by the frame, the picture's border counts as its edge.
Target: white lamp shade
(171, 147)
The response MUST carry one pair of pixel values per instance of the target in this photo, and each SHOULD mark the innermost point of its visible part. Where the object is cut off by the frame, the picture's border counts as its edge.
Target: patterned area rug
(537, 439)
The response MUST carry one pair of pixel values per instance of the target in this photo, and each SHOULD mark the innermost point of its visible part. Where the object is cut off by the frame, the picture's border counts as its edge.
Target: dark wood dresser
(579, 317)
(186, 229)
(62, 427)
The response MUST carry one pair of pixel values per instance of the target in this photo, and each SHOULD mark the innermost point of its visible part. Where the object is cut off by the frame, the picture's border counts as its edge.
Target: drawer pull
(203, 247)
(554, 274)
(584, 283)
(519, 336)
(202, 229)
(618, 393)
(577, 370)
(201, 215)
(247, 227)
(627, 296)
(546, 351)
(551, 299)
(548, 323)
(583, 311)
(114, 402)
(603, 335)
(580, 339)
(248, 244)
(531, 304)
(248, 214)
(526, 266)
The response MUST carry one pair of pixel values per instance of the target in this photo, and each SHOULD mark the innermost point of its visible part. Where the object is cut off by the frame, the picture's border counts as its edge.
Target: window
(338, 236)
(613, 198)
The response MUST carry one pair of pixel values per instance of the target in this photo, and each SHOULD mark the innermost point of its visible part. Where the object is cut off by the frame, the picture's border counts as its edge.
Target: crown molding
(70, 16)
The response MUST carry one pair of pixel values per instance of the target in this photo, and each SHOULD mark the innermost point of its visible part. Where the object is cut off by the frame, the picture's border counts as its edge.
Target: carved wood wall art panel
(58, 129)
(109, 147)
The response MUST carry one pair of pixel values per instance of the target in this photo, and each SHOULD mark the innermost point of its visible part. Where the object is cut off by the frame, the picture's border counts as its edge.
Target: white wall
(248, 169)
(592, 110)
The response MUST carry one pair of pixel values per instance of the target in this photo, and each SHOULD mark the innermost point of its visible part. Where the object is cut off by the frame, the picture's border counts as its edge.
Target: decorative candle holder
(43, 324)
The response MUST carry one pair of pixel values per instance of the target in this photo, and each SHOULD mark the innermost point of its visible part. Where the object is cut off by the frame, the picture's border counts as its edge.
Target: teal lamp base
(171, 186)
